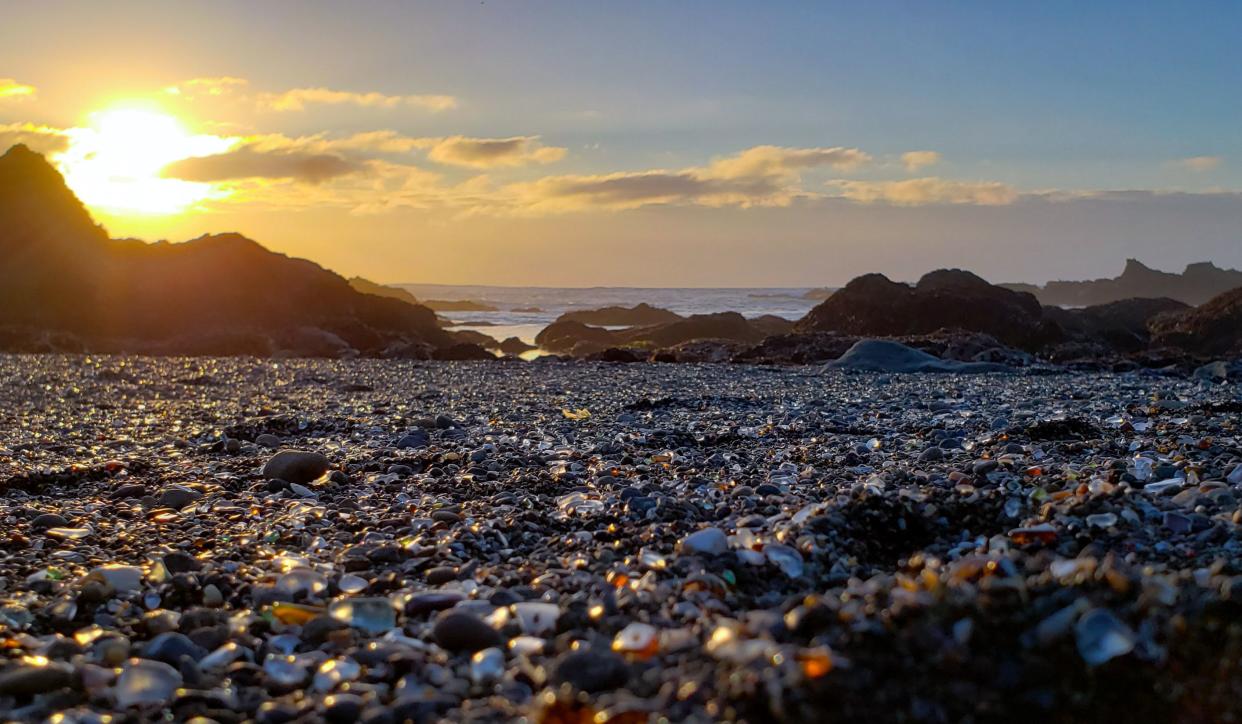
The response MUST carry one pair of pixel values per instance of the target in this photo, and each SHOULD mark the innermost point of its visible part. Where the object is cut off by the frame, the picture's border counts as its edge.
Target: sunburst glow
(114, 162)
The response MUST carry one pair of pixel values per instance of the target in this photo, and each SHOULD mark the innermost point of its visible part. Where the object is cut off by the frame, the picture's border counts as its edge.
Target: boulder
(515, 346)
(462, 351)
(639, 315)
(883, 355)
(874, 305)
(1213, 328)
(566, 336)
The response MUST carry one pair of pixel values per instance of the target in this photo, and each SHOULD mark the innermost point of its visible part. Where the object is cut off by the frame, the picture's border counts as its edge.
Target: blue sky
(1040, 98)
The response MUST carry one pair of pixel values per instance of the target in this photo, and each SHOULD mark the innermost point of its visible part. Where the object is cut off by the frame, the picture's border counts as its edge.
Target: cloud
(248, 162)
(1200, 163)
(212, 87)
(757, 176)
(11, 90)
(298, 98)
(779, 161)
(41, 139)
(493, 152)
(926, 191)
(915, 160)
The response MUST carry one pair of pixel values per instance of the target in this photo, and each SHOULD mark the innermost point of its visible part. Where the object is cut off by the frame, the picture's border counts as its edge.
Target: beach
(383, 540)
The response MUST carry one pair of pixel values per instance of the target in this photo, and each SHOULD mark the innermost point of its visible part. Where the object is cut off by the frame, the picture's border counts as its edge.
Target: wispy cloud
(1200, 163)
(493, 152)
(216, 87)
(11, 90)
(925, 192)
(248, 162)
(43, 139)
(758, 176)
(915, 160)
(298, 99)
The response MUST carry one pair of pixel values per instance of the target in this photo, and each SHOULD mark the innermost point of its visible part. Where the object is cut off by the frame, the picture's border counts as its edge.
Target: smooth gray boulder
(883, 355)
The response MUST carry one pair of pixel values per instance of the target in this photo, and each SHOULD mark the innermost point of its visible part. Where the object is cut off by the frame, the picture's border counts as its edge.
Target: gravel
(582, 541)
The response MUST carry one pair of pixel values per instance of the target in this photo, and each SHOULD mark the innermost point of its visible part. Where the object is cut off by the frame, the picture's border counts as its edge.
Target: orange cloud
(493, 152)
(914, 160)
(926, 192)
(247, 162)
(12, 90)
(298, 98)
(41, 139)
(210, 87)
(757, 176)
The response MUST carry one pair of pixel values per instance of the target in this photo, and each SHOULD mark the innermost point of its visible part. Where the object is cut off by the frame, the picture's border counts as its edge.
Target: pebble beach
(384, 541)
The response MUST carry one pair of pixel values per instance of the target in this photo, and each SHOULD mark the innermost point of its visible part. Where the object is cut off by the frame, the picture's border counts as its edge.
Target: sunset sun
(114, 162)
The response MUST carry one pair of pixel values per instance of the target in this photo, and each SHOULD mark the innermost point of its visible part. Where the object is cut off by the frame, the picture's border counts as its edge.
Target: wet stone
(592, 671)
(457, 631)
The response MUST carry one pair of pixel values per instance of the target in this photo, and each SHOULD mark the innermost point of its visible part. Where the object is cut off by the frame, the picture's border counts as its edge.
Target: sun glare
(114, 162)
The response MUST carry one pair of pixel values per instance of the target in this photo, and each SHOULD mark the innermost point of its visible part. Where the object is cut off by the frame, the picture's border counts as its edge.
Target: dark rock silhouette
(1120, 326)
(217, 294)
(1197, 284)
(581, 340)
(639, 315)
(457, 305)
(1213, 328)
(366, 286)
(515, 346)
(873, 305)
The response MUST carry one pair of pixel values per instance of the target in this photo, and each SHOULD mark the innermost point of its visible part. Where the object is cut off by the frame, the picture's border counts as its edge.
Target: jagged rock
(566, 336)
(639, 315)
(224, 293)
(1120, 326)
(873, 305)
(1213, 328)
(1197, 284)
(515, 346)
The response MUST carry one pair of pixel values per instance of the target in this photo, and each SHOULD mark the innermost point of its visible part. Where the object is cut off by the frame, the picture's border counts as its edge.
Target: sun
(114, 162)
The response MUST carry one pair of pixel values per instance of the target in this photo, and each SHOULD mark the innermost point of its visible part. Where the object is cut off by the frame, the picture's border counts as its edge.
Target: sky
(648, 143)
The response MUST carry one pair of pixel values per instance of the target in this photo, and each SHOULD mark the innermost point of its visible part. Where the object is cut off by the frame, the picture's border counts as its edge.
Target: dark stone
(459, 631)
(171, 646)
(591, 670)
(296, 466)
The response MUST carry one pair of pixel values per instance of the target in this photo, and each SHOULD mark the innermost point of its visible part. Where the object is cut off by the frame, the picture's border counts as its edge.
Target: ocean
(787, 302)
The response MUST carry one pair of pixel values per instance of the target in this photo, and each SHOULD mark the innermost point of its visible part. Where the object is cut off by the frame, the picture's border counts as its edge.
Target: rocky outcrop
(581, 340)
(1213, 328)
(639, 315)
(515, 346)
(366, 286)
(457, 305)
(873, 305)
(574, 338)
(223, 293)
(1120, 326)
(1197, 284)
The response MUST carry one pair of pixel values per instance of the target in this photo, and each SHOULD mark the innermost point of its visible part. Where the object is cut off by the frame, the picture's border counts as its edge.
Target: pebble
(459, 631)
(146, 682)
(592, 671)
(708, 541)
(712, 542)
(295, 466)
